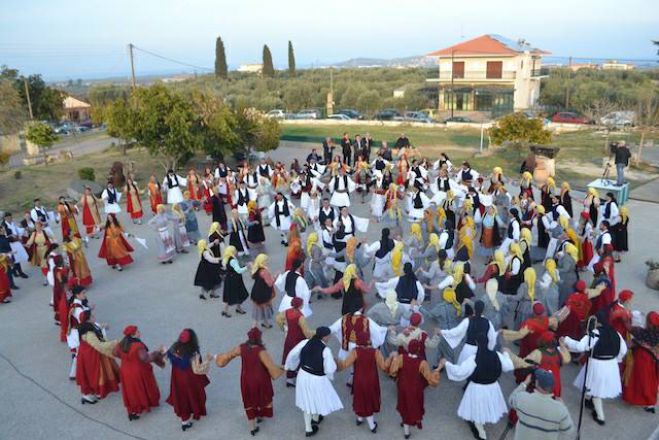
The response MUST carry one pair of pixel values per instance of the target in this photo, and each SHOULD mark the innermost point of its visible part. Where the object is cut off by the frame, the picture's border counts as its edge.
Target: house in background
(251, 68)
(76, 110)
(489, 73)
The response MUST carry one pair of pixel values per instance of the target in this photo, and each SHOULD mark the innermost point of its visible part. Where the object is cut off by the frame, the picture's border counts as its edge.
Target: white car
(619, 119)
(339, 117)
(276, 114)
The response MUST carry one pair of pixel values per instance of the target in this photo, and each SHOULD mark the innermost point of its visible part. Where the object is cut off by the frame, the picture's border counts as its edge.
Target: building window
(458, 69)
(494, 70)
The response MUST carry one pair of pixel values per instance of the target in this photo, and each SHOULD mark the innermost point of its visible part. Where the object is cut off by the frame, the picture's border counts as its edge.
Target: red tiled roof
(485, 45)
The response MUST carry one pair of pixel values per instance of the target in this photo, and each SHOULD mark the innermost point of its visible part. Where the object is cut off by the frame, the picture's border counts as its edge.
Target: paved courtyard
(37, 401)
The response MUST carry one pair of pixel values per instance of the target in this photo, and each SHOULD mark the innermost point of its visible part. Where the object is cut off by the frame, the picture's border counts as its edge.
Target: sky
(88, 39)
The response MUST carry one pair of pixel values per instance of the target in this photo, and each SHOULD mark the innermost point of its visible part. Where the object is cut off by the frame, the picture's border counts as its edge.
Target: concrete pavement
(38, 401)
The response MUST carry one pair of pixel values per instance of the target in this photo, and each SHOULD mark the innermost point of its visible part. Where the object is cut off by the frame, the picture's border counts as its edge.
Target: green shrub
(87, 174)
(18, 174)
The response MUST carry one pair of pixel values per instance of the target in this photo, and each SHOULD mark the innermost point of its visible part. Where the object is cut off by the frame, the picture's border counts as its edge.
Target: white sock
(481, 430)
(406, 429)
(371, 422)
(72, 371)
(599, 409)
(307, 422)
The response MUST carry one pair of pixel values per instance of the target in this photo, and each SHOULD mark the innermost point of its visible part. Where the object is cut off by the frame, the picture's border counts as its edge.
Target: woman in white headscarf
(389, 313)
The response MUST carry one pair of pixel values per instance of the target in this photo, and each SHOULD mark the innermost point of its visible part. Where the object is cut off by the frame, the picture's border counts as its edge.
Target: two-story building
(490, 73)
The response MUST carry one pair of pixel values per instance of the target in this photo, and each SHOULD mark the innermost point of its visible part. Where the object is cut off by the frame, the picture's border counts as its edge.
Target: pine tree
(291, 59)
(268, 68)
(220, 59)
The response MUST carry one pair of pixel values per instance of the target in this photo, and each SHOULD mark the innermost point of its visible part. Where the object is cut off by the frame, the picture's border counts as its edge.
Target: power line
(182, 63)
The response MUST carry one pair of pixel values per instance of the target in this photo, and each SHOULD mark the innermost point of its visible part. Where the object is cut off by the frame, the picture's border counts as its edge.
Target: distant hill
(413, 61)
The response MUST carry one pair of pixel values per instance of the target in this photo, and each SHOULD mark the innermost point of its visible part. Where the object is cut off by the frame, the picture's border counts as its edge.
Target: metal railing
(472, 75)
(543, 71)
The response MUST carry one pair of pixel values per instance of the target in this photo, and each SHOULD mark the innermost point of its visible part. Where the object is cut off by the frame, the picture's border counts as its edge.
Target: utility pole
(452, 77)
(132, 64)
(29, 101)
(567, 84)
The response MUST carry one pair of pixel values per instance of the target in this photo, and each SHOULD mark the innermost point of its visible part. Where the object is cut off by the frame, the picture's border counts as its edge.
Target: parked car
(569, 118)
(276, 114)
(339, 117)
(619, 119)
(308, 114)
(387, 115)
(462, 119)
(352, 114)
(87, 124)
(417, 117)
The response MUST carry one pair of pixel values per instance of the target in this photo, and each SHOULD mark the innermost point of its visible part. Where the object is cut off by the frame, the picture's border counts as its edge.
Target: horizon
(94, 45)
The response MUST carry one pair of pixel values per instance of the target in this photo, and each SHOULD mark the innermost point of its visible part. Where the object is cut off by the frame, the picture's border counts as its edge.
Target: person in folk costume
(37, 246)
(591, 205)
(459, 280)
(295, 185)
(393, 213)
(526, 238)
(161, 222)
(255, 233)
(526, 185)
(443, 183)
(280, 211)
(189, 378)
(641, 377)
(542, 218)
(585, 234)
(490, 236)
(412, 331)
(209, 271)
(447, 238)
(67, 213)
(51, 254)
(310, 183)
(567, 271)
(549, 355)
(443, 163)
(315, 273)
(293, 322)
(482, 402)
(496, 180)
(446, 209)
(606, 349)
(188, 207)
(468, 329)
(238, 233)
(263, 292)
(314, 393)
(548, 284)
(15, 236)
(528, 214)
(465, 249)
(576, 310)
(155, 193)
(97, 373)
(389, 313)
(77, 261)
(428, 225)
(174, 185)
(429, 257)
(621, 241)
(221, 171)
(409, 290)
(495, 269)
(403, 166)
(546, 193)
(377, 199)
(341, 186)
(446, 313)
(362, 176)
(365, 360)
(496, 305)
(418, 175)
(414, 243)
(139, 387)
(466, 175)
(602, 281)
(5, 284)
(292, 284)
(604, 238)
(194, 185)
(412, 375)
(206, 190)
(350, 287)
(256, 375)
(91, 217)
(512, 231)
(235, 292)
(39, 214)
(565, 199)
(111, 198)
(218, 212)
(521, 304)
(133, 201)
(77, 312)
(326, 212)
(620, 314)
(241, 198)
(216, 239)
(382, 252)
(514, 274)
(181, 239)
(295, 251)
(313, 209)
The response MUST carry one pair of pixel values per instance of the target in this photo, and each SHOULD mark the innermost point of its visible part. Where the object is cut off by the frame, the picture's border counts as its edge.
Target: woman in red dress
(68, 221)
(186, 392)
(60, 279)
(413, 375)
(134, 201)
(366, 382)
(5, 287)
(155, 194)
(578, 305)
(207, 191)
(293, 323)
(641, 378)
(114, 248)
(97, 373)
(138, 384)
(256, 375)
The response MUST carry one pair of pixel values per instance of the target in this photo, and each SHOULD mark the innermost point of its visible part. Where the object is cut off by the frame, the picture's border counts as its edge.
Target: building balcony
(475, 76)
(539, 73)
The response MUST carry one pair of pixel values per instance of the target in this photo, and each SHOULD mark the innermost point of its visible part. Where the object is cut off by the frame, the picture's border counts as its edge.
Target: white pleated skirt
(316, 394)
(482, 403)
(340, 199)
(603, 379)
(377, 205)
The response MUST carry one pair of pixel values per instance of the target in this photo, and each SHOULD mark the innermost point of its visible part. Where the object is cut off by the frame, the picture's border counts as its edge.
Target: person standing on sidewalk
(621, 158)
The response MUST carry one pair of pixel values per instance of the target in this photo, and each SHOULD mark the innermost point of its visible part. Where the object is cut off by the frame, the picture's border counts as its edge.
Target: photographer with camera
(541, 417)
(621, 156)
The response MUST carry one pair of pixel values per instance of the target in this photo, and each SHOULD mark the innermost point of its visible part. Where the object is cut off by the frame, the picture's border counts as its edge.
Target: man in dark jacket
(622, 156)
(328, 150)
(346, 147)
(367, 144)
(357, 147)
(402, 142)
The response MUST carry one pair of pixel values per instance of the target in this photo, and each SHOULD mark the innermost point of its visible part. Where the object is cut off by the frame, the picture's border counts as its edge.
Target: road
(38, 401)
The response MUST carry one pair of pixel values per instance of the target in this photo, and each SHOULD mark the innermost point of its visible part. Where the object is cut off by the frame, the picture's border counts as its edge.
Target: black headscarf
(406, 289)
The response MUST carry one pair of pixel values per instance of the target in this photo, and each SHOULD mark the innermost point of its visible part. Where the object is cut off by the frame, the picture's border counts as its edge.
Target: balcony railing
(477, 75)
(543, 71)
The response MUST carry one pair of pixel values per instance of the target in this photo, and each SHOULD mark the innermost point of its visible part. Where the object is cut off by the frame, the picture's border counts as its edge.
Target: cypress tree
(220, 59)
(268, 68)
(291, 59)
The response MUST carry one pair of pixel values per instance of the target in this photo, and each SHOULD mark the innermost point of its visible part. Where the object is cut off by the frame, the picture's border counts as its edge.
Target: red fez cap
(585, 215)
(297, 302)
(130, 330)
(580, 286)
(538, 308)
(546, 338)
(415, 319)
(254, 334)
(625, 295)
(184, 337)
(653, 319)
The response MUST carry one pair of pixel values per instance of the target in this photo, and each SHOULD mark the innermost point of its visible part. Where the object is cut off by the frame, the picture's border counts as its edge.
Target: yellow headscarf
(4, 262)
(468, 205)
(529, 279)
(348, 275)
(540, 209)
(497, 170)
(564, 222)
(551, 183)
(565, 186)
(229, 251)
(397, 259)
(251, 205)
(202, 245)
(215, 227)
(526, 177)
(312, 239)
(441, 216)
(624, 214)
(550, 265)
(429, 219)
(450, 297)
(450, 195)
(593, 192)
(176, 209)
(516, 250)
(448, 266)
(160, 208)
(391, 300)
(526, 236)
(500, 260)
(351, 245)
(466, 241)
(433, 241)
(259, 263)
(458, 273)
(415, 230)
(572, 251)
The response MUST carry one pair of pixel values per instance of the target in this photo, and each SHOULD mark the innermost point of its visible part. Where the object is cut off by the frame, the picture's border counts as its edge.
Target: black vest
(385, 248)
(345, 183)
(242, 198)
(406, 290)
(263, 171)
(291, 281)
(608, 345)
(170, 183)
(284, 211)
(418, 203)
(466, 175)
(380, 164)
(511, 229)
(443, 184)
(322, 216)
(311, 357)
(477, 325)
(488, 368)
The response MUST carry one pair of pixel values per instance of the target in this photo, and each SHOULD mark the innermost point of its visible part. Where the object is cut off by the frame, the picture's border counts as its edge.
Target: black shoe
(650, 409)
(254, 431)
(474, 431)
(240, 311)
(214, 295)
(375, 428)
(226, 315)
(406, 436)
(314, 431)
(290, 385)
(358, 422)
(588, 403)
(203, 297)
(132, 417)
(14, 287)
(599, 422)
(22, 275)
(258, 420)
(317, 422)
(186, 426)
(85, 400)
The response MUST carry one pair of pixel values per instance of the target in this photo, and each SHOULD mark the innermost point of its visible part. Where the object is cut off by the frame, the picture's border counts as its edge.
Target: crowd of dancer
(548, 286)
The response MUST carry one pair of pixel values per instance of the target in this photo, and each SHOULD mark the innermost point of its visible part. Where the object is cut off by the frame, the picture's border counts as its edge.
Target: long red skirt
(187, 394)
(411, 385)
(571, 327)
(255, 384)
(5, 288)
(63, 308)
(95, 373)
(138, 384)
(642, 384)
(365, 384)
